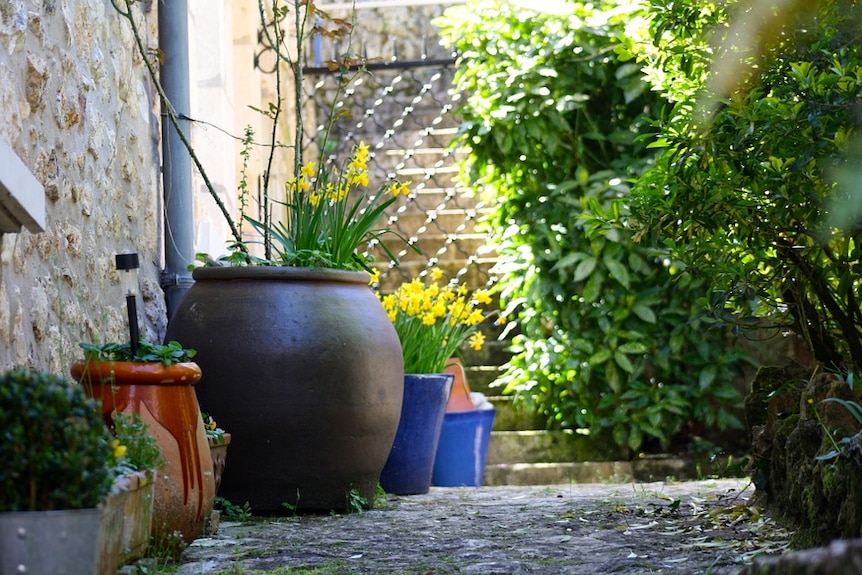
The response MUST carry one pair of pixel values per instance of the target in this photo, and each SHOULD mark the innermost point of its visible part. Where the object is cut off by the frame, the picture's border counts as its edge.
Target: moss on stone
(818, 497)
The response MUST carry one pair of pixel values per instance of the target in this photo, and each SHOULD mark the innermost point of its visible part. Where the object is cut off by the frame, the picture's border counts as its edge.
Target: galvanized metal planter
(62, 542)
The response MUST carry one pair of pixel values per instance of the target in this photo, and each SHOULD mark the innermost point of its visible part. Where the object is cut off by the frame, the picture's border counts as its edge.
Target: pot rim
(276, 273)
(136, 372)
(431, 376)
(226, 440)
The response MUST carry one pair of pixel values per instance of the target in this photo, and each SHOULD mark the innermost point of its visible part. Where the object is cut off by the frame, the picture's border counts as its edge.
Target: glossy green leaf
(633, 347)
(585, 268)
(618, 271)
(644, 312)
(624, 362)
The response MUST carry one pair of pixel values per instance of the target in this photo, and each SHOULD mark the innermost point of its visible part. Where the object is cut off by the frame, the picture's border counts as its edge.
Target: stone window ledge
(22, 197)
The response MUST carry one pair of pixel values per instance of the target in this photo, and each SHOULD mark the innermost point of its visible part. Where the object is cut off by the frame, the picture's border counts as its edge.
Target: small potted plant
(57, 469)
(156, 382)
(218, 440)
(432, 321)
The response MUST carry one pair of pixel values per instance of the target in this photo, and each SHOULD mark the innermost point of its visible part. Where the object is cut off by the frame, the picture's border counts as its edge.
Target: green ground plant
(612, 335)
(232, 511)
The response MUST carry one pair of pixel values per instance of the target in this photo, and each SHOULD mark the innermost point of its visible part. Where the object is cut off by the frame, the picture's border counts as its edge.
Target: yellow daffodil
(362, 152)
(398, 188)
(475, 317)
(332, 217)
(308, 170)
(477, 340)
(482, 297)
(434, 320)
(337, 194)
(118, 448)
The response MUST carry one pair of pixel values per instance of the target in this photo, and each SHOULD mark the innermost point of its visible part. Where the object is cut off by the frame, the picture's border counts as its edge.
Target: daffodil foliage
(558, 126)
(326, 213)
(434, 320)
(330, 216)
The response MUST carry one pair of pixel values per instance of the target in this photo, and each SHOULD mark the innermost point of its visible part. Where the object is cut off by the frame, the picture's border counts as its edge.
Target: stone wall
(77, 109)
(807, 451)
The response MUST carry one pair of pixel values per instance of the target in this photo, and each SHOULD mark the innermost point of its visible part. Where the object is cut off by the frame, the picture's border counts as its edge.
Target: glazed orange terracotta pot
(165, 399)
(306, 370)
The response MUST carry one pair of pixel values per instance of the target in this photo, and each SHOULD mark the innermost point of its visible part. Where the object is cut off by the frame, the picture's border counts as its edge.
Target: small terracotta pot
(459, 399)
(218, 452)
(164, 396)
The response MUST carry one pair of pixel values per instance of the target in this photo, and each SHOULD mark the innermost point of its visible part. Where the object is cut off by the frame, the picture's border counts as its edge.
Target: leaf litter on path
(686, 528)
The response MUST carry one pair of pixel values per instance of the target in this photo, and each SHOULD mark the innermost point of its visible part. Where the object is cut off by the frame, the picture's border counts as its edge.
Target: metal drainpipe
(176, 162)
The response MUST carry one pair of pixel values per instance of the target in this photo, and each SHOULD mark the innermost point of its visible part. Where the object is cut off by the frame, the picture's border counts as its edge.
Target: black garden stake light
(128, 266)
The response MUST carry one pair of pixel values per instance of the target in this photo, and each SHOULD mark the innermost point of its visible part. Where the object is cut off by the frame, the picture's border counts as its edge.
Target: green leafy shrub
(54, 446)
(558, 127)
(743, 191)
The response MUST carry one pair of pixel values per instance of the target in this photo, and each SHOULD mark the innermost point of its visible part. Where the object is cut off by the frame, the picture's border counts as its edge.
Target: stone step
(642, 470)
(547, 446)
(428, 194)
(509, 418)
(444, 174)
(557, 473)
(424, 200)
(426, 156)
(448, 220)
(476, 275)
(481, 378)
(458, 245)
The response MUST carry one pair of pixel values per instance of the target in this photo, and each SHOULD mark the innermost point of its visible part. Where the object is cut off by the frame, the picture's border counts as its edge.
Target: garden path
(672, 528)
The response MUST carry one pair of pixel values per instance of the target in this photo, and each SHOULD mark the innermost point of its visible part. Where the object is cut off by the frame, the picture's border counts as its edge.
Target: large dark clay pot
(305, 369)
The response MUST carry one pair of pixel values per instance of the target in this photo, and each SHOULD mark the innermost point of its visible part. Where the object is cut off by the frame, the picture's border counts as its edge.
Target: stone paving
(673, 528)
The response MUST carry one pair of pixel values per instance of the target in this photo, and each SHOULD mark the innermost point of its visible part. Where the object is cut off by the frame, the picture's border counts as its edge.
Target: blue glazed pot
(460, 459)
(411, 461)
